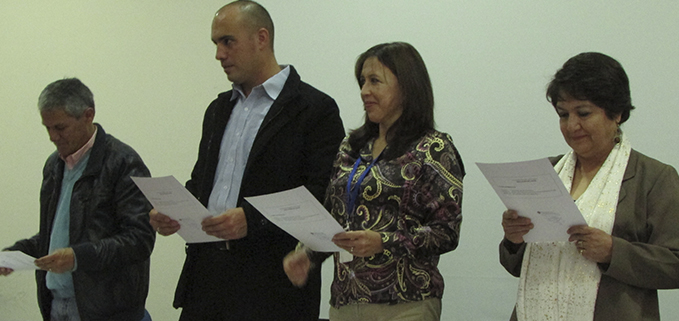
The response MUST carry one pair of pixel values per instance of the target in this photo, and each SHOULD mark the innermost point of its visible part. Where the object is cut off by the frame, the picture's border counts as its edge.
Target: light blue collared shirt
(246, 118)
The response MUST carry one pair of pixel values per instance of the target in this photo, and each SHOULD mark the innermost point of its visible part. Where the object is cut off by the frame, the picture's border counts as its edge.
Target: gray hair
(69, 95)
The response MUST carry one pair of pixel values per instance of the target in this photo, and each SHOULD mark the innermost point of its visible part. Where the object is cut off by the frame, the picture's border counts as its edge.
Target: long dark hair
(417, 99)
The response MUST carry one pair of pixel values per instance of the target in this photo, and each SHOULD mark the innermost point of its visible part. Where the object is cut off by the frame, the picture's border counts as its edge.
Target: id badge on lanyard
(354, 189)
(352, 195)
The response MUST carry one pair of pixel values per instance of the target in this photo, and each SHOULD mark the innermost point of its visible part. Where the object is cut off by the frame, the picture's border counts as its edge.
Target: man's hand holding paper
(176, 210)
(230, 225)
(163, 224)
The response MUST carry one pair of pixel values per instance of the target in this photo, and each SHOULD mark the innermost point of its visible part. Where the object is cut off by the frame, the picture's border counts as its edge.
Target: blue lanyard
(352, 190)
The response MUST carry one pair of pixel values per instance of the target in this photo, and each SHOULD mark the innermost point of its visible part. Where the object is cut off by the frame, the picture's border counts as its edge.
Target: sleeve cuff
(512, 247)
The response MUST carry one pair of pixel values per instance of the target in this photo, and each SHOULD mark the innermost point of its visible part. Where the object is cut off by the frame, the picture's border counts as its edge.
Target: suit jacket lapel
(280, 113)
(630, 172)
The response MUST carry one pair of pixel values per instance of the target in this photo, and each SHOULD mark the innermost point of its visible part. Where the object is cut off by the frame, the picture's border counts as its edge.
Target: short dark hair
(417, 98)
(68, 94)
(595, 77)
(257, 16)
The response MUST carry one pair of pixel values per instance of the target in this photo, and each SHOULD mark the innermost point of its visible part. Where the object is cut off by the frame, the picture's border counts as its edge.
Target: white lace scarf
(557, 283)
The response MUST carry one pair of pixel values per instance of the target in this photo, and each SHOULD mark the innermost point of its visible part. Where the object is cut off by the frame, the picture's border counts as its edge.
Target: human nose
(365, 91)
(573, 123)
(54, 136)
(221, 52)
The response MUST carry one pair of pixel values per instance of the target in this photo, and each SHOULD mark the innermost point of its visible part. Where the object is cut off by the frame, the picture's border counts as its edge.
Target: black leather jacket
(109, 232)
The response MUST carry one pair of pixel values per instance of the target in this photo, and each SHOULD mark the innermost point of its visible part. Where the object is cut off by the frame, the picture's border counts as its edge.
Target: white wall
(151, 67)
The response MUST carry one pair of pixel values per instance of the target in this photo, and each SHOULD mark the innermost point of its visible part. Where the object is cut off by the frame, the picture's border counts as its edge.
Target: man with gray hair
(95, 239)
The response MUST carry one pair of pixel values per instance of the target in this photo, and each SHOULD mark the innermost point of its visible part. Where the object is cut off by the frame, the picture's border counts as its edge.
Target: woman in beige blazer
(612, 267)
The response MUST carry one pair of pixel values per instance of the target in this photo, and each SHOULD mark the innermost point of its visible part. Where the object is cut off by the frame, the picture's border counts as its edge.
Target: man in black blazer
(271, 133)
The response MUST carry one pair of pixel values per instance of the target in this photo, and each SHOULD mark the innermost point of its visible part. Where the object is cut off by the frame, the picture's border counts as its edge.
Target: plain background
(151, 67)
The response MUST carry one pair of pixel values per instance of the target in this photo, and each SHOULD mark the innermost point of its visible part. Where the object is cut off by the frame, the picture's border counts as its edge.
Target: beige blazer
(645, 254)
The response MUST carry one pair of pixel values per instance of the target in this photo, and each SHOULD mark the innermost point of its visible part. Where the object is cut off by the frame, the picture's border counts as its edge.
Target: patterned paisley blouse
(414, 202)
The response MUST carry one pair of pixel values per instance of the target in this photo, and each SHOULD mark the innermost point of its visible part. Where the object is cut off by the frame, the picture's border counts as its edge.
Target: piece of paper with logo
(169, 197)
(297, 212)
(17, 261)
(534, 190)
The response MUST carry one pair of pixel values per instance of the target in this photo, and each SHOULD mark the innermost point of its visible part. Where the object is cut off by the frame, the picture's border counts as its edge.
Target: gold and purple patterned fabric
(414, 202)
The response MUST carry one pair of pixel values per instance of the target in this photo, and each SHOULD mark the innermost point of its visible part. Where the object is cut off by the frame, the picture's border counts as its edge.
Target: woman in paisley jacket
(397, 190)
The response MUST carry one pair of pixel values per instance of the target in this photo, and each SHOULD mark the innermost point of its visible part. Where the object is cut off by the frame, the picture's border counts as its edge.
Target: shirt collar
(73, 159)
(272, 86)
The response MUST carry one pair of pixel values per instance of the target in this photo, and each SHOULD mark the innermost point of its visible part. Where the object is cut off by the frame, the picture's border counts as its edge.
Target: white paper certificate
(169, 197)
(534, 190)
(297, 212)
(17, 261)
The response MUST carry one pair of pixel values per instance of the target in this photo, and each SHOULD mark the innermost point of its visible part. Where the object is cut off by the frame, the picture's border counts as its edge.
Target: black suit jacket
(295, 146)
